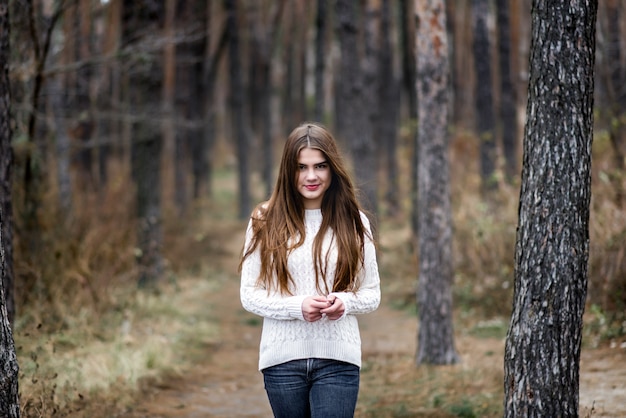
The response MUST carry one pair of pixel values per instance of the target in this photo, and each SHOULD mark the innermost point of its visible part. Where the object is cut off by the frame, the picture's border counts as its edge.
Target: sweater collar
(312, 214)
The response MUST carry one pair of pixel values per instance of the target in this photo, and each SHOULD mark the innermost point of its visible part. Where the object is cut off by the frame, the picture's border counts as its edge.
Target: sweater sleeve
(256, 299)
(367, 298)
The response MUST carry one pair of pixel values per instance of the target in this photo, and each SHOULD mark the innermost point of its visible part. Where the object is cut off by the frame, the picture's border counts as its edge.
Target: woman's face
(314, 177)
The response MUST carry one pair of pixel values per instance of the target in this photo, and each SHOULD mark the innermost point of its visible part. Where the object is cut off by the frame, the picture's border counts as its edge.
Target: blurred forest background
(128, 118)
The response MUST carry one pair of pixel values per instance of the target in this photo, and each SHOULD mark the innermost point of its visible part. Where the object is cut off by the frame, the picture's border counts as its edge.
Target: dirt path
(229, 385)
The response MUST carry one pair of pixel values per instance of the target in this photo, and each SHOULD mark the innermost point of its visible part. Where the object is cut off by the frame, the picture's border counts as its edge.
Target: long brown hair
(278, 224)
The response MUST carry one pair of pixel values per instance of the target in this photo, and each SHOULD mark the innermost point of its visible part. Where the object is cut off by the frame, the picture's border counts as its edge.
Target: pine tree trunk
(434, 294)
(320, 59)
(407, 38)
(209, 77)
(485, 123)
(238, 115)
(9, 369)
(302, 31)
(264, 28)
(108, 93)
(196, 45)
(63, 146)
(357, 90)
(508, 116)
(145, 84)
(6, 163)
(289, 116)
(617, 98)
(389, 103)
(542, 352)
(189, 152)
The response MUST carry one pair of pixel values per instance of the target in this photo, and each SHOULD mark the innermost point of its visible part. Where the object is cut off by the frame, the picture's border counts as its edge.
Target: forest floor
(191, 350)
(226, 382)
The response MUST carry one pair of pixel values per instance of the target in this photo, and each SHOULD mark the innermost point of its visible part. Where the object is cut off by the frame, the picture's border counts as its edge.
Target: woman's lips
(312, 187)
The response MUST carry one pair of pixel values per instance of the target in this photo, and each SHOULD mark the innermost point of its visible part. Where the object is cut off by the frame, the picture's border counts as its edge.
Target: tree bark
(9, 369)
(434, 294)
(542, 353)
(357, 89)
(263, 41)
(238, 115)
(508, 114)
(389, 104)
(616, 95)
(485, 124)
(191, 37)
(408, 81)
(63, 146)
(6, 163)
(204, 146)
(289, 116)
(141, 20)
(84, 124)
(108, 93)
(320, 59)
(35, 162)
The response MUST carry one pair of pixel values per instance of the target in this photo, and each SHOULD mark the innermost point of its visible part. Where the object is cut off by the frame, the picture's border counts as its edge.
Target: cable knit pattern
(286, 335)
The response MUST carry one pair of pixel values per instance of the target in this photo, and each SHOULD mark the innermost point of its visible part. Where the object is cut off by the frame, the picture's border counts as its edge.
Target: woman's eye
(322, 166)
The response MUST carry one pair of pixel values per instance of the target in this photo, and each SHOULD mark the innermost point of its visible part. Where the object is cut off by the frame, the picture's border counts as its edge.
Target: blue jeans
(312, 388)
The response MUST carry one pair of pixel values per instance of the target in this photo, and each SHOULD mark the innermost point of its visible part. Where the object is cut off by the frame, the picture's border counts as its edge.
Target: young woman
(308, 268)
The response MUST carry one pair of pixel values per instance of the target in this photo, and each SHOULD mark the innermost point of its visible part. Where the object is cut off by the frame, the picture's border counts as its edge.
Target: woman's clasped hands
(315, 308)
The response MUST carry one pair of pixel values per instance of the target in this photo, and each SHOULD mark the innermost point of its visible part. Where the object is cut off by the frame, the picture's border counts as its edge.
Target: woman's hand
(312, 307)
(335, 308)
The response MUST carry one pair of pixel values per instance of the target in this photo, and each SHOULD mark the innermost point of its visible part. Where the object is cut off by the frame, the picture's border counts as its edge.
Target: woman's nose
(310, 173)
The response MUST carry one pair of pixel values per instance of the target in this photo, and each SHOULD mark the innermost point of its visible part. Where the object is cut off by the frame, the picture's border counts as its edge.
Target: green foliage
(493, 328)
(601, 326)
(463, 410)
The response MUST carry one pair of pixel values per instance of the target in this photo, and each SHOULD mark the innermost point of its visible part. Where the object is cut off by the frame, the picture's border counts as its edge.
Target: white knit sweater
(286, 335)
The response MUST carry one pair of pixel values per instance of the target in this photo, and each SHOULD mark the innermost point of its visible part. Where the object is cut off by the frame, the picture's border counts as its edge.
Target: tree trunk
(320, 59)
(460, 30)
(389, 104)
(434, 293)
(109, 95)
(35, 162)
(508, 114)
(408, 80)
(238, 115)
(77, 31)
(140, 21)
(616, 93)
(407, 39)
(484, 95)
(542, 353)
(190, 34)
(451, 27)
(197, 145)
(9, 369)
(302, 33)
(289, 117)
(264, 28)
(6, 165)
(357, 89)
(204, 146)
(63, 155)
